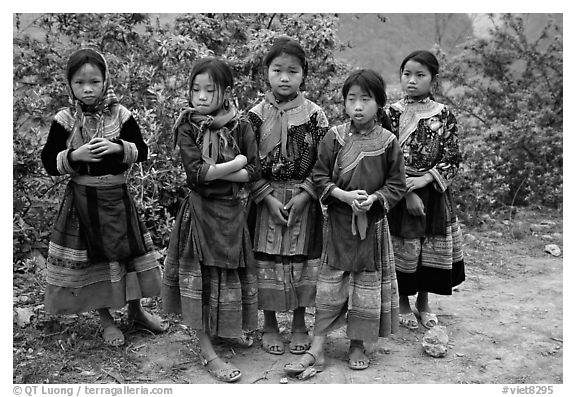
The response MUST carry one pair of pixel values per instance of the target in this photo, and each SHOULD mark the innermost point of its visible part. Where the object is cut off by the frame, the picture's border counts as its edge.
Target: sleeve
(134, 148)
(394, 116)
(249, 148)
(395, 185)
(55, 154)
(260, 187)
(322, 171)
(196, 169)
(319, 127)
(447, 168)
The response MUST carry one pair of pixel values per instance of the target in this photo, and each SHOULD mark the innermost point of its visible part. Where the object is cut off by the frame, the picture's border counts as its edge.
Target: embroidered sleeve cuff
(130, 152)
(383, 200)
(308, 186)
(440, 183)
(62, 163)
(260, 190)
(325, 195)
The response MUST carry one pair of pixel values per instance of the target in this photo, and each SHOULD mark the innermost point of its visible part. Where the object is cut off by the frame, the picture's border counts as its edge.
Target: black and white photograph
(283, 198)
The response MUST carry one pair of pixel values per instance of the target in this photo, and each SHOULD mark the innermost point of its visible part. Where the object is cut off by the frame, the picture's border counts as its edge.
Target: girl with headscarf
(100, 255)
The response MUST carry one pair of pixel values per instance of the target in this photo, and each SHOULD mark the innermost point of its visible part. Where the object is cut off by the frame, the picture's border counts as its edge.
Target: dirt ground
(505, 325)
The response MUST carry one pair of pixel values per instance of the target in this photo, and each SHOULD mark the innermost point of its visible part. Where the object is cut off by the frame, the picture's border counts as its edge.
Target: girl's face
(285, 75)
(416, 80)
(87, 84)
(361, 107)
(207, 97)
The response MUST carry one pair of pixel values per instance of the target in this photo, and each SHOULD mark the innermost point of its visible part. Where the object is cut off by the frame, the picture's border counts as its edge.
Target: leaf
(23, 315)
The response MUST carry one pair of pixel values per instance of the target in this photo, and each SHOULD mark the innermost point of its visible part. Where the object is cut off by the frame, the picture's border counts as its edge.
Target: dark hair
(288, 46)
(373, 83)
(81, 58)
(218, 70)
(425, 58)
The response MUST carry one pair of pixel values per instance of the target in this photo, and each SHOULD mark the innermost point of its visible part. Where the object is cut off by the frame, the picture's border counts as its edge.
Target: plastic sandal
(297, 368)
(426, 317)
(408, 320)
(228, 374)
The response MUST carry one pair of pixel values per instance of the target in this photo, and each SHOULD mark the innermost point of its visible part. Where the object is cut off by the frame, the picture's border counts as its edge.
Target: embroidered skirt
(100, 255)
(365, 301)
(287, 258)
(428, 249)
(221, 301)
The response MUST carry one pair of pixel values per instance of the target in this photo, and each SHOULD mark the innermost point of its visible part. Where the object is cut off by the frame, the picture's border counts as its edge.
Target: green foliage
(507, 92)
(150, 67)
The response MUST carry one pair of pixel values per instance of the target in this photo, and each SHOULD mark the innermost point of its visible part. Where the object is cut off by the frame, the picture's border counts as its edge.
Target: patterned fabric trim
(412, 113)
(111, 124)
(436, 251)
(308, 186)
(112, 271)
(383, 200)
(64, 166)
(130, 152)
(440, 183)
(375, 144)
(326, 192)
(259, 190)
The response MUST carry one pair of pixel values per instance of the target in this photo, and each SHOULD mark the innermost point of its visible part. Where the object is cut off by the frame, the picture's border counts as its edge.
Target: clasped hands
(95, 150)
(287, 215)
(359, 200)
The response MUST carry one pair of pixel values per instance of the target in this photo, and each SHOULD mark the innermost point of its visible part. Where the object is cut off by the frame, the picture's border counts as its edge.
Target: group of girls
(348, 221)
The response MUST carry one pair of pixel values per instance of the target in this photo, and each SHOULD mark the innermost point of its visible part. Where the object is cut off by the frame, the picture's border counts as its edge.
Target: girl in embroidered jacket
(425, 231)
(286, 218)
(208, 274)
(359, 176)
(100, 255)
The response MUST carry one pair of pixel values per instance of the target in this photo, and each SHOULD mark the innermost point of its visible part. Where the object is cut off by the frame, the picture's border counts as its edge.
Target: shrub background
(506, 90)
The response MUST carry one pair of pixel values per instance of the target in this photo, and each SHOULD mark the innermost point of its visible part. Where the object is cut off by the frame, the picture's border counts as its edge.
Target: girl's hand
(353, 195)
(295, 207)
(241, 161)
(83, 153)
(364, 206)
(276, 208)
(418, 182)
(101, 146)
(414, 205)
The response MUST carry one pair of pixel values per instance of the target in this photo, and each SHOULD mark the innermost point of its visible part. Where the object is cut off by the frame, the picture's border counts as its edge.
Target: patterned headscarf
(275, 126)
(216, 138)
(100, 120)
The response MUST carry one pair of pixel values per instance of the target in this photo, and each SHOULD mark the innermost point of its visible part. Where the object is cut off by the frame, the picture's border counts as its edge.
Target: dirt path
(504, 324)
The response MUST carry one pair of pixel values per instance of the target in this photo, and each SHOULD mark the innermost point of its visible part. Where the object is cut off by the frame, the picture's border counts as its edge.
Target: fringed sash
(211, 130)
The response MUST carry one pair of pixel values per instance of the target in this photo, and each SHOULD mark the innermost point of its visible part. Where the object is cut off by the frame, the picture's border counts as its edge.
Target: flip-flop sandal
(299, 348)
(359, 363)
(294, 369)
(426, 318)
(408, 320)
(113, 336)
(227, 374)
(276, 347)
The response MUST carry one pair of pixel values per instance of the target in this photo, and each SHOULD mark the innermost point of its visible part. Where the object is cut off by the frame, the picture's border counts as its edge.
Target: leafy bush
(150, 68)
(508, 92)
